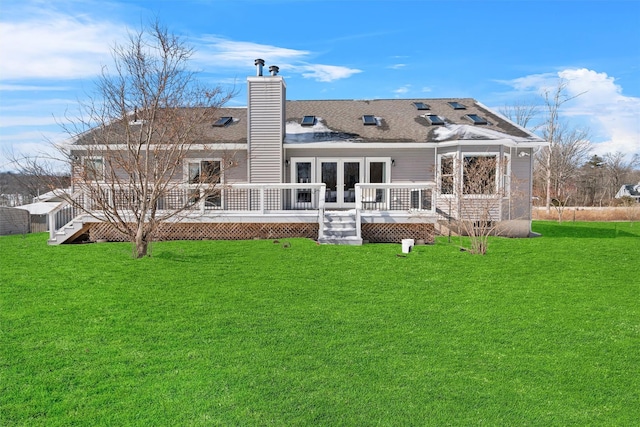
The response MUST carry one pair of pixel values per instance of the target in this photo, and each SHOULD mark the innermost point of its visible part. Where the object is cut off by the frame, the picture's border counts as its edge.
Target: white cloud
(50, 45)
(29, 88)
(397, 66)
(215, 51)
(402, 90)
(327, 73)
(218, 51)
(613, 118)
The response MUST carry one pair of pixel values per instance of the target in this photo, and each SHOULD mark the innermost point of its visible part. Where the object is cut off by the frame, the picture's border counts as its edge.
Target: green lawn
(541, 331)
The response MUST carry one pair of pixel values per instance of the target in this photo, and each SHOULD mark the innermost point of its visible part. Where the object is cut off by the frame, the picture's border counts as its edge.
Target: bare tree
(132, 137)
(480, 182)
(557, 134)
(522, 113)
(619, 170)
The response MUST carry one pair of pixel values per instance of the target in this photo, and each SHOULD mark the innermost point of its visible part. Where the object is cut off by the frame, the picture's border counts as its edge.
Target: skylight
(223, 121)
(308, 121)
(421, 105)
(476, 119)
(434, 119)
(369, 120)
(457, 106)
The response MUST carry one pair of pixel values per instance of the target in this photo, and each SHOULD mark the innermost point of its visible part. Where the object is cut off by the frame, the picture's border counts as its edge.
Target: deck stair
(340, 228)
(69, 232)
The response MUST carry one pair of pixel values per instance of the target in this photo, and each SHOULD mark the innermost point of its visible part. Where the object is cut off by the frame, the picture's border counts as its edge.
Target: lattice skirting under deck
(374, 233)
(213, 231)
(394, 233)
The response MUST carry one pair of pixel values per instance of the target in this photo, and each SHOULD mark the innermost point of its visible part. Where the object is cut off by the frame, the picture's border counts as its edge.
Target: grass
(541, 331)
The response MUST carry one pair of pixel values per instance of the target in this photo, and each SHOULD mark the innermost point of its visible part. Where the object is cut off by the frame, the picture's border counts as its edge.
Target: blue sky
(498, 52)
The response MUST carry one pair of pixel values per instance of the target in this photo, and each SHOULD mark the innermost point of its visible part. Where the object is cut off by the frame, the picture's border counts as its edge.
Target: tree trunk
(141, 243)
(548, 177)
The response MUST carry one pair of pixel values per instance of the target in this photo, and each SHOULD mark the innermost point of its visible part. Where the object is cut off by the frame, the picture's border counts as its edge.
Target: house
(629, 190)
(344, 171)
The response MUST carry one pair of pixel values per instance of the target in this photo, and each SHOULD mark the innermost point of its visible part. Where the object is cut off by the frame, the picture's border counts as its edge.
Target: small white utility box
(407, 244)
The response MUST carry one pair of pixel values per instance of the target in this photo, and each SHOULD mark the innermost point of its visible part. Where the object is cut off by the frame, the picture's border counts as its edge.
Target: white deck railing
(418, 196)
(262, 199)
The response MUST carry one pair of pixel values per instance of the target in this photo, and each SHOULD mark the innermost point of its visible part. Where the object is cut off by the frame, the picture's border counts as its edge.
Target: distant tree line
(567, 172)
(22, 188)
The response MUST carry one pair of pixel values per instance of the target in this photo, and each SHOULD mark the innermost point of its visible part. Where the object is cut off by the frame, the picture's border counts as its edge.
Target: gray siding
(234, 164)
(266, 129)
(411, 164)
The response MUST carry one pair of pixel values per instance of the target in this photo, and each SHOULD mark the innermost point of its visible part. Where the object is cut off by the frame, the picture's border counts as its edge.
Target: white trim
(359, 145)
(438, 177)
(506, 176)
(387, 170)
(185, 167)
(191, 147)
(293, 162)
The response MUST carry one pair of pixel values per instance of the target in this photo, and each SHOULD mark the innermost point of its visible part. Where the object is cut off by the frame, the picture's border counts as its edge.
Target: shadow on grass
(598, 230)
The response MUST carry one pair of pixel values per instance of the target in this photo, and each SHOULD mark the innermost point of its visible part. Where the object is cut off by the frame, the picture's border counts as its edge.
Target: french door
(340, 177)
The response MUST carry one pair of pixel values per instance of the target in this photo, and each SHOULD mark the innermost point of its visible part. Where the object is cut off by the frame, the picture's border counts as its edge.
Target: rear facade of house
(346, 171)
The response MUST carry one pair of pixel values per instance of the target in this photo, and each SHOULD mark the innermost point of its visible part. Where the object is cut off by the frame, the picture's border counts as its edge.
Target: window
(223, 121)
(94, 168)
(421, 106)
(205, 172)
(457, 106)
(369, 120)
(505, 169)
(476, 119)
(308, 121)
(434, 119)
(377, 175)
(479, 175)
(446, 174)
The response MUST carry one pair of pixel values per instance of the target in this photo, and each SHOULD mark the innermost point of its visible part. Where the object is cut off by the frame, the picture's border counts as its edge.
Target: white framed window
(505, 170)
(93, 167)
(378, 171)
(200, 174)
(204, 171)
(446, 174)
(303, 171)
(480, 174)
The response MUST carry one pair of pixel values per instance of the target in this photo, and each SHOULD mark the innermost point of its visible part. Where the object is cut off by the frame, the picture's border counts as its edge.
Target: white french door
(340, 177)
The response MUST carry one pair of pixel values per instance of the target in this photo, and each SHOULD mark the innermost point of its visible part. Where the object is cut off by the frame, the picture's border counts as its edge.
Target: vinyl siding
(266, 129)
(411, 165)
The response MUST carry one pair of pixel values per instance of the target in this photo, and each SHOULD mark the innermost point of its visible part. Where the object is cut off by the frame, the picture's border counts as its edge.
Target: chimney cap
(274, 70)
(259, 64)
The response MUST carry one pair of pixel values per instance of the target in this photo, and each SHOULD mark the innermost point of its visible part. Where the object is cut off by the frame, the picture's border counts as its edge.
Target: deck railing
(256, 199)
(236, 198)
(408, 197)
(64, 213)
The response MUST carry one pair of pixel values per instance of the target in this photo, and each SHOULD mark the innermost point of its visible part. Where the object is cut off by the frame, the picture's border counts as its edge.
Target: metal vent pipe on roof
(274, 70)
(259, 64)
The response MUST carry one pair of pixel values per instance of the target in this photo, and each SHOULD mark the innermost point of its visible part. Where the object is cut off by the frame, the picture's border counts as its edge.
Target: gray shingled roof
(398, 120)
